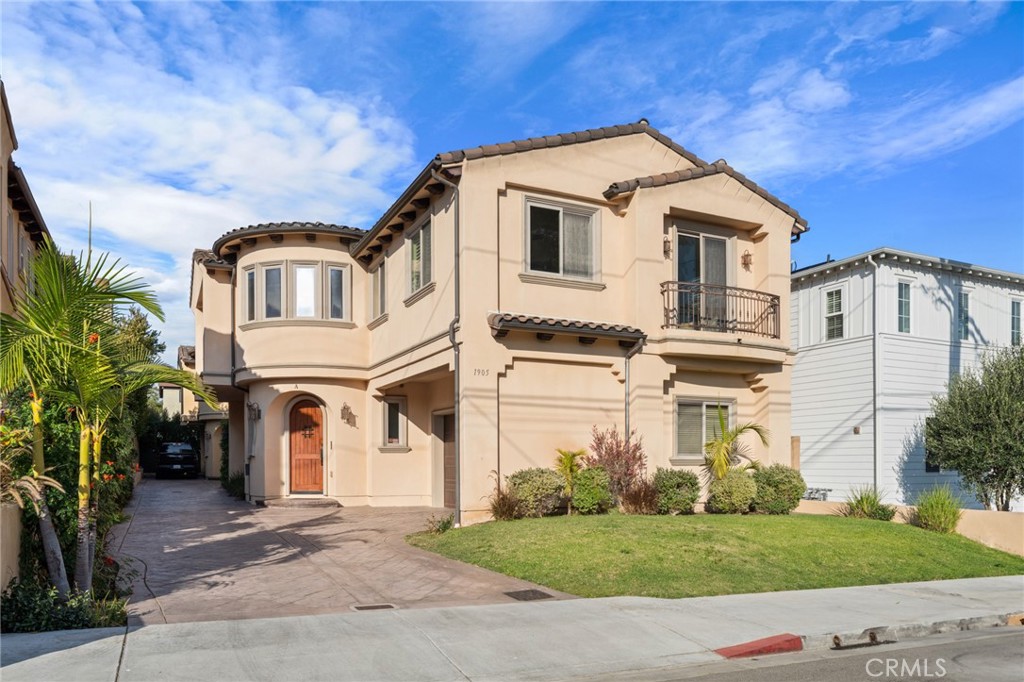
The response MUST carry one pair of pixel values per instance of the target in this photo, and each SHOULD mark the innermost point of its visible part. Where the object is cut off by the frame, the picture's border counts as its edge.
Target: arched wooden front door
(306, 437)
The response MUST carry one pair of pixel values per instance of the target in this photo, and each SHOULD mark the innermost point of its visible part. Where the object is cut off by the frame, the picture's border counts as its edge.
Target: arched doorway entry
(306, 447)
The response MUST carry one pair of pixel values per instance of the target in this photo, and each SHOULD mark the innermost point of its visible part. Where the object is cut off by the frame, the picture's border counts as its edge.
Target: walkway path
(202, 555)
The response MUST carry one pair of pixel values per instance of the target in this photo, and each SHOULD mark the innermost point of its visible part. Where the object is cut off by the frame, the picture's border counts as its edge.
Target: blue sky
(883, 124)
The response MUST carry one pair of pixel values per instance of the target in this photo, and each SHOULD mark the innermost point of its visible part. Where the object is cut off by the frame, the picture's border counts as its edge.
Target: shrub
(504, 504)
(539, 491)
(640, 498)
(592, 491)
(30, 606)
(939, 510)
(623, 458)
(731, 494)
(568, 465)
(779, 489)
(677, 490)
(866, 503)
(236, 486)
(438, 525)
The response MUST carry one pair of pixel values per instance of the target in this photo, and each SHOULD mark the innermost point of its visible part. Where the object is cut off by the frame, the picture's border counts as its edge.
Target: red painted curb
(777, 644)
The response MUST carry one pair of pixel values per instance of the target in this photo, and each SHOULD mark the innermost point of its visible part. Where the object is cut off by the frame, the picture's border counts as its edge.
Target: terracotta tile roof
(704, 170)
(504, 321)
(187, 355)
(564, 139)
(279, 228)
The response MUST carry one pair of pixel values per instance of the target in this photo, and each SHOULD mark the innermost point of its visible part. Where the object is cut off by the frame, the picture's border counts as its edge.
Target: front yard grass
(701, 555)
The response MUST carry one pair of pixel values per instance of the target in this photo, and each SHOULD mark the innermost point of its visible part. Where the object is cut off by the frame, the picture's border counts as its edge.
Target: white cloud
(178, 130)
(814, 93)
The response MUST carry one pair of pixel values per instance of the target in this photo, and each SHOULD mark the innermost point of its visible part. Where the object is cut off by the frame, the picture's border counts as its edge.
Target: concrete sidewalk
(528, 641)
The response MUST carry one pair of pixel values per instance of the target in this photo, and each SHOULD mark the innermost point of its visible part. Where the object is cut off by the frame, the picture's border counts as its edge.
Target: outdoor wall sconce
(347, 415)
(667, 247)
(747, 259)
(254, 411)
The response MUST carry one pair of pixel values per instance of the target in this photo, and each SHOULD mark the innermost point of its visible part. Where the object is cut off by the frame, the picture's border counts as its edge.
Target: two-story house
(514, 296)
(878, 335)
(22, 229)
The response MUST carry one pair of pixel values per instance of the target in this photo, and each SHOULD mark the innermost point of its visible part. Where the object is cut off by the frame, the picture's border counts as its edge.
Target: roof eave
(19, 179)
(418, 183)
(7, 116)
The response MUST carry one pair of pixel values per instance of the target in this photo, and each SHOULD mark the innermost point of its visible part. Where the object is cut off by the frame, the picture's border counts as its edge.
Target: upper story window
(697, 422)
(11, 240)
(378, 287)
(310, 291)
(903, 307)
(1014, 323)
(963, 315)
(561, 240)
(833, 314)
(420, 255)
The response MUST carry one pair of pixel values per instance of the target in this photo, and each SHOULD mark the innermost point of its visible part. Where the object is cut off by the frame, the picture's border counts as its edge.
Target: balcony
(714, 308)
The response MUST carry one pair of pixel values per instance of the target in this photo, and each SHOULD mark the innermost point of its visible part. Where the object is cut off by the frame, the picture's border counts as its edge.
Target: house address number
(477, 372)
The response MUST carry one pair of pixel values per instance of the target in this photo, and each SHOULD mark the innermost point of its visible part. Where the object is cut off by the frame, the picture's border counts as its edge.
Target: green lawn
(689, 556)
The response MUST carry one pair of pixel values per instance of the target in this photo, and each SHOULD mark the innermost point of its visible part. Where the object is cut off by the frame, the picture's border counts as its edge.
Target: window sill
(394, 448)
(555, 280)
(686, 461)
(423, 292)
(297, 322)
(377, 321)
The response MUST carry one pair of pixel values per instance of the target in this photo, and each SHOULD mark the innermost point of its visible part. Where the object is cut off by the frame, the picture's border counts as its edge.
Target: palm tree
(568, 464)
(47, 346)
(726, 449)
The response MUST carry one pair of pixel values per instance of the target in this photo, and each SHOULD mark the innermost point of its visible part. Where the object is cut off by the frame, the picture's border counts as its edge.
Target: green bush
(539, 491)
(866, 503)
(779, 489)
(732, 494)
(939, 510)
(31, 606)
(677, 490)
(640, 498)
(591, 493)
(504, 504)
(236, 486)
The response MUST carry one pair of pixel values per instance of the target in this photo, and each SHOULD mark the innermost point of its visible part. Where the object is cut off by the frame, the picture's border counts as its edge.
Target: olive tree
(977, 428)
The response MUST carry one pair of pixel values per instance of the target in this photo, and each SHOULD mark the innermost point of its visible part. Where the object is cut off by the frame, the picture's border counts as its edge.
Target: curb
(883, 634)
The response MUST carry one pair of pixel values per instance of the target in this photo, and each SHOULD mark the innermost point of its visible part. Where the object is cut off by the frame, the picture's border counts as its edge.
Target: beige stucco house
(513, 296)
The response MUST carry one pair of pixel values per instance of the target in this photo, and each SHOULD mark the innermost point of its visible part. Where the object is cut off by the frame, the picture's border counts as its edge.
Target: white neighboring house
(877, 336)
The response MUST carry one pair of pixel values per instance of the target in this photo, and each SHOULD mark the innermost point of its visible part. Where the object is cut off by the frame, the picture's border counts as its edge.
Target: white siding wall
(832, 394)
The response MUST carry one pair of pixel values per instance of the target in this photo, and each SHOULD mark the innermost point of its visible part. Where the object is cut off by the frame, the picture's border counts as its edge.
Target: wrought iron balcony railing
(710, 307)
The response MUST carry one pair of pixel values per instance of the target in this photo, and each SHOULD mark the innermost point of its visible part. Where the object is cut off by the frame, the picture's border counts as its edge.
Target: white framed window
(304, 290)
(420, 257)
(963, 315)
(22, 260)
(273, 292)
(394, 423)
(378, 293)
(562, 240)
(250, 294)
(834, 314)
(337, 292)
(1015, 323)
(903, 307)
(697, 422)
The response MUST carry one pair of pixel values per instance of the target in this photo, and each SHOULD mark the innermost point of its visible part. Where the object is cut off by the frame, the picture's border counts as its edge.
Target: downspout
(875, 430)
(637, 347)
(453, 327)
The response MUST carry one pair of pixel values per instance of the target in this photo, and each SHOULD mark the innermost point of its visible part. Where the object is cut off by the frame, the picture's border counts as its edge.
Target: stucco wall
(10, 543)
(1001, 530)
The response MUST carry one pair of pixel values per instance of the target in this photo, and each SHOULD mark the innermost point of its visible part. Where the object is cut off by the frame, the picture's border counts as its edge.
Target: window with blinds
(1014, 323)
(963, 315)
(696, 424)
(833, 314)
(419, 258)
(903, 307)
(561, 241)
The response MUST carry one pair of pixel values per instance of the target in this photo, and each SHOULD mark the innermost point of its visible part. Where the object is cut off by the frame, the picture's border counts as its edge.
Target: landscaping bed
(703, 555)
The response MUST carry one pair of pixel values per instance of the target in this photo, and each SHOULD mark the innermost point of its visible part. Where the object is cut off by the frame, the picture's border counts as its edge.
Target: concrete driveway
(201, 556)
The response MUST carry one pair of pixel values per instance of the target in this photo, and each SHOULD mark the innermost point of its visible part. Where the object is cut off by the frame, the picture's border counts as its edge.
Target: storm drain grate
(372, 607)
(528, 595)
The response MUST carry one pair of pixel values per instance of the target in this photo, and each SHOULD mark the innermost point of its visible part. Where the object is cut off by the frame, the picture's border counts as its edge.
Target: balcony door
(701, 260)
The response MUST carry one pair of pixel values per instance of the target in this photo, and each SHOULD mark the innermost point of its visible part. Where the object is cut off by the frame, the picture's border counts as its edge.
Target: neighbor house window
(963, 315)
(697, 423)
(379, 287)
(561, 241)
(272, 292)
(250, 295)
(11, 237)
(1014, 323)
(336, 293)
(304, 288)
(394, 422)
(903, 307)
(21, 251)
(833, 314)
(419, 258)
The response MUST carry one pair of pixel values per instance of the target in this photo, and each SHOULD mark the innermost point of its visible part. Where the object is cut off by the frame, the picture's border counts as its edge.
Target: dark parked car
(177, 459)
